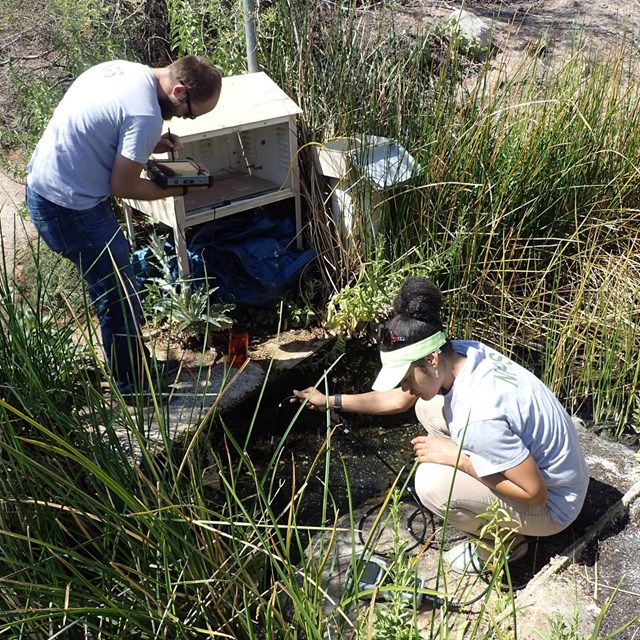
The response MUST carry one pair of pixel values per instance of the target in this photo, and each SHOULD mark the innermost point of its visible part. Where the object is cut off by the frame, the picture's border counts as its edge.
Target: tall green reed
(94, 540)
(519, 179)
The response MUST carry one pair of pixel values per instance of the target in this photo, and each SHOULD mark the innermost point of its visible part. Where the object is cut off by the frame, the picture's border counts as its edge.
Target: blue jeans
(94, 242)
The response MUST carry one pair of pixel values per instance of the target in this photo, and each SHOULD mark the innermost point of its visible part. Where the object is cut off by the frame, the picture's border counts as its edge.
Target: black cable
(427, 516)
(420, 539)
(421, 509)
(363, 444)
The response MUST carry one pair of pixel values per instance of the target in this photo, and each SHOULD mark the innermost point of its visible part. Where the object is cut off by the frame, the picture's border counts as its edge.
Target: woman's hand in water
(315, 399)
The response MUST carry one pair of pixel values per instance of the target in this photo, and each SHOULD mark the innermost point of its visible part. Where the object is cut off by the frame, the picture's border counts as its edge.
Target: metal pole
(249, 8)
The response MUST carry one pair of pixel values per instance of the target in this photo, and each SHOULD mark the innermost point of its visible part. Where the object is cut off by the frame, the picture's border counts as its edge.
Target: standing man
(95, 146)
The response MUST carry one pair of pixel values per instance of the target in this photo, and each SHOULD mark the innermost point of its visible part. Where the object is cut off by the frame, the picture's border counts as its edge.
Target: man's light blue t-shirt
(110, 109)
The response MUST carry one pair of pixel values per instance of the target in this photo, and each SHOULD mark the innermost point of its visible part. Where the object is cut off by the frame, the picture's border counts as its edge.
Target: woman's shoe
(464, 557)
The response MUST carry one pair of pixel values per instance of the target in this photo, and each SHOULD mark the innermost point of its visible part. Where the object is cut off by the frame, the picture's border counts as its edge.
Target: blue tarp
(251, 257)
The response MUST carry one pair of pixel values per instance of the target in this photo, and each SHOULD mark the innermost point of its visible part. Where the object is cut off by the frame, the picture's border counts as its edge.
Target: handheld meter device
(177, 173)
(374, 574)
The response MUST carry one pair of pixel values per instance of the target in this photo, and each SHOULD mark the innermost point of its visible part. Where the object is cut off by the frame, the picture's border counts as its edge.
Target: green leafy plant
(286, 313)
(368, 299)
(495, 536)
(561, 629)
(210, 29)
(296, 315)
(182, 303)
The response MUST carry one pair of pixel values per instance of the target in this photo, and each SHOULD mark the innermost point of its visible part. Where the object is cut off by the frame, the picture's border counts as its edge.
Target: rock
(560, 603)
(467, 32)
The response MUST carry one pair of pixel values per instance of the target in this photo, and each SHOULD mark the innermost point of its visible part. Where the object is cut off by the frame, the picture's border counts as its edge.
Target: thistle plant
(184, 305)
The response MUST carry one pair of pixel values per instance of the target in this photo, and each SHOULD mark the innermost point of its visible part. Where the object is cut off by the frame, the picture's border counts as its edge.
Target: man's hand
(126, 182)
(168, 143)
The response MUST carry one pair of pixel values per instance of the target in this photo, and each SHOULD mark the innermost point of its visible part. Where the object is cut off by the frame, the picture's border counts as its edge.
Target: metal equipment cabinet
(248, 143)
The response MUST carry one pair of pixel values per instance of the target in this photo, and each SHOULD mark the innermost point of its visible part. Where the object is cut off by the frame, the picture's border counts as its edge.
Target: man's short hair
(199, 75)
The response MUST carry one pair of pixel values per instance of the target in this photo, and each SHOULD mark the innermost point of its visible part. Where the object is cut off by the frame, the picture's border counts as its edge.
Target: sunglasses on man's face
(190, 113)
(388, 339)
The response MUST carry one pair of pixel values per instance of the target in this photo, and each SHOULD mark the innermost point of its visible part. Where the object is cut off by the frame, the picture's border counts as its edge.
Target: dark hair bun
(419, 298)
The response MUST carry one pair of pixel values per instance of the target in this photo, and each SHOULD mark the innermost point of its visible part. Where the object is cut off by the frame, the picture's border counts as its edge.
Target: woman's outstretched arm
(372, 402)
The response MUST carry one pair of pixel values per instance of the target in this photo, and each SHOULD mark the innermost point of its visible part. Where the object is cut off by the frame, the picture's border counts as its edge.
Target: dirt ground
(14, 229)
(561, 26)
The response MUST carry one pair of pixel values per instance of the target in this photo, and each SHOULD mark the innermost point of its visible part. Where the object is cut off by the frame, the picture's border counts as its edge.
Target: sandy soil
(14, 228)
(560, 25)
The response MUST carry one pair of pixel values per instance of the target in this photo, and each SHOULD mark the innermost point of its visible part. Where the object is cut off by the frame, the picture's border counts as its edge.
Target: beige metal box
(248, 143)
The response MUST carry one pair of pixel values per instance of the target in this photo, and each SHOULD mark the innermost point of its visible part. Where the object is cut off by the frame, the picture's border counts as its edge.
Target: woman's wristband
(337, 402)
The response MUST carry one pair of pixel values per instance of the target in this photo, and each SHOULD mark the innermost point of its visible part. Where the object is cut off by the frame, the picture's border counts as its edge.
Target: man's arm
(126, 182)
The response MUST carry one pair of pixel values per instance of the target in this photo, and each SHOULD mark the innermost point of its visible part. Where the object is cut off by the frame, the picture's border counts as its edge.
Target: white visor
(396, 363)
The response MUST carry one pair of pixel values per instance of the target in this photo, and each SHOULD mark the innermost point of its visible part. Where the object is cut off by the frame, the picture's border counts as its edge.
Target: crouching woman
(494, 432)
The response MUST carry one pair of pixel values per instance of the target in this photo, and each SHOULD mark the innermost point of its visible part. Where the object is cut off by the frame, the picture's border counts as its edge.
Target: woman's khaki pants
(462, 498)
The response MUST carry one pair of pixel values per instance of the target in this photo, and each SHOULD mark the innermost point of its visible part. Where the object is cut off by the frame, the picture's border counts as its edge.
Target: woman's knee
(433, 486)
(450, 493)
(431, 416)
